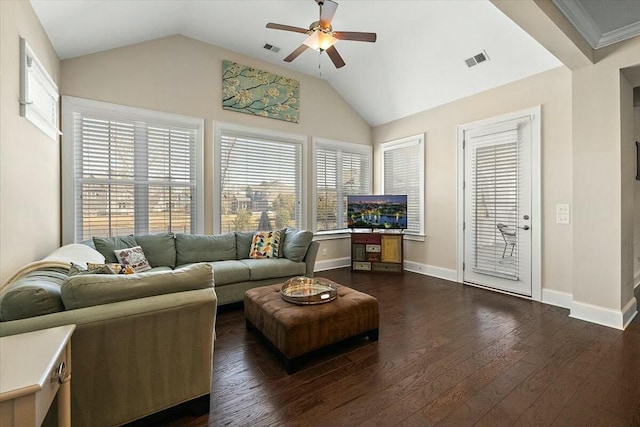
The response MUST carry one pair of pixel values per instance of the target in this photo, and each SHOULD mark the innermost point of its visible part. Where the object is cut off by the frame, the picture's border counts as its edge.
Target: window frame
(400, 143)
(220, 128)
(73, 105)
(349, 147)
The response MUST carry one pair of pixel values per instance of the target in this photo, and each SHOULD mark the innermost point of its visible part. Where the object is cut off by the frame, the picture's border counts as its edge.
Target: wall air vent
(272, 48)
(476, 59)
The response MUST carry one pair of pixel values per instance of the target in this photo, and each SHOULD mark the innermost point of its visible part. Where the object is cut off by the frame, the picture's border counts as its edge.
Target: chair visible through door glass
(509, 236)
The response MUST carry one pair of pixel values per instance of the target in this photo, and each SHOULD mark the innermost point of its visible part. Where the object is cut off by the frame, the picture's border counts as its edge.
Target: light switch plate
(562, 218)
(562, 208)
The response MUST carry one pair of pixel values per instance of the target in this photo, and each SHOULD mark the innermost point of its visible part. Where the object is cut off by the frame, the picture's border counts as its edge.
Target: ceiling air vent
(476, 59)
(272, 48)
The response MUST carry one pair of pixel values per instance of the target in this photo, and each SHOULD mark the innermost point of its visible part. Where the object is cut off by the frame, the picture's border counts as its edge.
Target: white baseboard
(430, 270)
(629, 312)
(332, 264)
(618, 319)
(557, 298)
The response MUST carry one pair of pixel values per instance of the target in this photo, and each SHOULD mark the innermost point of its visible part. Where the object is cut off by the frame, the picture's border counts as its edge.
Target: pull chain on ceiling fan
(321, 36)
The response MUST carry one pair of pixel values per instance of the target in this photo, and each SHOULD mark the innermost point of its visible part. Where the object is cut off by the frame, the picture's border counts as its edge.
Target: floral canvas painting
(252, 91)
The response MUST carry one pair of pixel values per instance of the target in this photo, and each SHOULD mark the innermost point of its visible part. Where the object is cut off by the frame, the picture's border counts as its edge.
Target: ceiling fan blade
(287, 28)
(335, 57)
(355, 36)
(328, 9)
(293, 55)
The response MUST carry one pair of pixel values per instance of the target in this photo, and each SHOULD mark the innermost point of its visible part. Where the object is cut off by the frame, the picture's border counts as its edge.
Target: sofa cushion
(91, 290)
(226, 272)
(243, 244)
(265, 244)
(106, 246)
(34, 294)
(160, 249)
(296, 242)
(270, 268)
(192, 248)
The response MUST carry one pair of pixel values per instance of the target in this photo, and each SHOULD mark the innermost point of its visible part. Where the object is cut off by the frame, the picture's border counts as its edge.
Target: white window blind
(403, 173)
(260, 183)
(342, 169)
(494, 190)
(133, 174)
(38, 93)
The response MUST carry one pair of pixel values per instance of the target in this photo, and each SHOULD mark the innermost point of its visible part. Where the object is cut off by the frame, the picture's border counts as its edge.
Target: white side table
(33, 366)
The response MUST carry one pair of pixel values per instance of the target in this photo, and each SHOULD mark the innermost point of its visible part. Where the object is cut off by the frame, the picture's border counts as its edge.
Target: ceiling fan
(321, 36)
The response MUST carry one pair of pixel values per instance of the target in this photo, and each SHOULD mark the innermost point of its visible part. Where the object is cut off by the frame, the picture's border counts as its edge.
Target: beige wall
(602, 242)
(181, 75)
(552, 90)
(29, 160)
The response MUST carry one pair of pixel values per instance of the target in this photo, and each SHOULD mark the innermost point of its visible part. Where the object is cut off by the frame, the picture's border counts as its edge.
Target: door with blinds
(498, 206)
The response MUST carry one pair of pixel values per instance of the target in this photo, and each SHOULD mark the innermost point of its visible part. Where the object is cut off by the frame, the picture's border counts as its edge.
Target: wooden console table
(377, 252)
(34, 366)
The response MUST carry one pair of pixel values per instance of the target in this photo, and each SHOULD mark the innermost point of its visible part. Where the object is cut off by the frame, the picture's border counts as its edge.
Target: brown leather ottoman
(295, 330)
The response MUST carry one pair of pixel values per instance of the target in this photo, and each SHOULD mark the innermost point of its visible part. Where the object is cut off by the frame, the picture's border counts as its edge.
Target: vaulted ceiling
(417, 63)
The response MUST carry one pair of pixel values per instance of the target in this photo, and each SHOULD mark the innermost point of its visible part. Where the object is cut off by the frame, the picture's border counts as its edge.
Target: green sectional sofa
(234, 272)
(143, 342)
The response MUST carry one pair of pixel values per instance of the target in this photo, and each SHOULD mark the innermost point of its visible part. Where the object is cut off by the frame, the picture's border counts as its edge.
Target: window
(342, 169)
(403, 173)
(261, 180)
(129, 170)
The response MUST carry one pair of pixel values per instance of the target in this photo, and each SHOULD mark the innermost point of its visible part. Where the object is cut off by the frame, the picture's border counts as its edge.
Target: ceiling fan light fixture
(320, 41)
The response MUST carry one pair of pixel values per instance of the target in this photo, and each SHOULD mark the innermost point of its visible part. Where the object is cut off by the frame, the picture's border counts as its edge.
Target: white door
(498, 205)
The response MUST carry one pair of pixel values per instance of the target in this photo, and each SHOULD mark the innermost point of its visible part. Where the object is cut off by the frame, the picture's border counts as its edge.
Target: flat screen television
(381, 211)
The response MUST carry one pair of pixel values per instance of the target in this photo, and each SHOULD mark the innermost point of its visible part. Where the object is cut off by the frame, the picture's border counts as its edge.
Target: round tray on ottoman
(308, 291)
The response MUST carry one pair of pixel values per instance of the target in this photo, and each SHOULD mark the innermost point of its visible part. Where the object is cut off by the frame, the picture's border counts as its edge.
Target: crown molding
(586, 26)
(619, 34)
(581, 20)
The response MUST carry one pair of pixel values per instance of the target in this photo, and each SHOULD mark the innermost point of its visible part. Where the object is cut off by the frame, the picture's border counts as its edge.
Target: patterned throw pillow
(76, 270)
(114, 267)
(265, 244)
(133, 257)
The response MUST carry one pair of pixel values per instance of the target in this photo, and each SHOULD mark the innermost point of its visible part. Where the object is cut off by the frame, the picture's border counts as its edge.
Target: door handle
(526, 227)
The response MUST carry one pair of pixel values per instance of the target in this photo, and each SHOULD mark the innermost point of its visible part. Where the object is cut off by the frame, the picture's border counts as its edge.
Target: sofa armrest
(133, 358)
(310, 258)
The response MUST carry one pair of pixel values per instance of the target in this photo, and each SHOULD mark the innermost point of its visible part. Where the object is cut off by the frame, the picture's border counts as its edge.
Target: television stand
(377, 252)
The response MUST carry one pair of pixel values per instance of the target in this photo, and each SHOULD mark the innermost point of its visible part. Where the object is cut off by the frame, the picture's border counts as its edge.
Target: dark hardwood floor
(448, 355)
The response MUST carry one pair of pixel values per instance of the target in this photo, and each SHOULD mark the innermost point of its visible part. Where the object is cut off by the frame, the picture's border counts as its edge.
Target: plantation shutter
(402, 173)
(327, 189)
(494, 190)
(340, 172)
(133, 177)
(172, 179)
(38, 93)
(261, 183)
